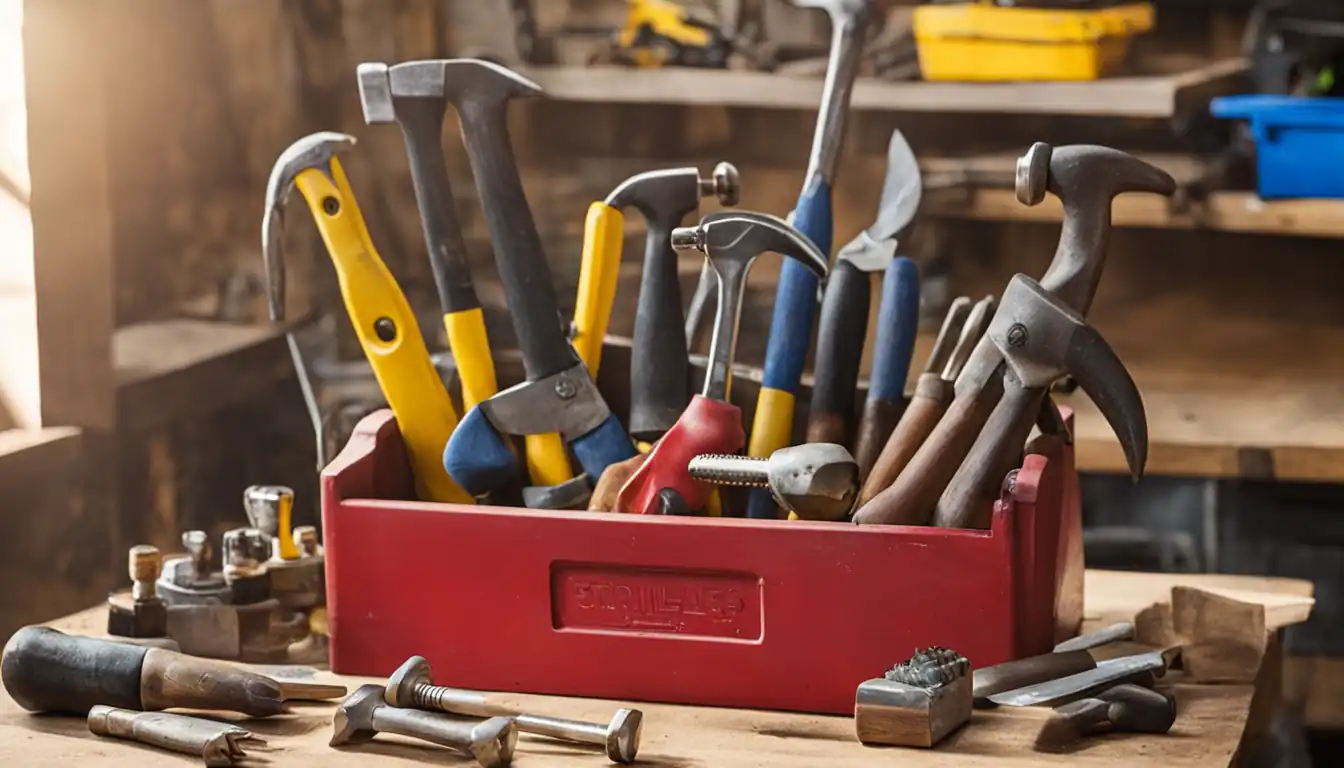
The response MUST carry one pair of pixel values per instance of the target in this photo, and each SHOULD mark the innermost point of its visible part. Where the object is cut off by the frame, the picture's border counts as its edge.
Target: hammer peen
(960, 467)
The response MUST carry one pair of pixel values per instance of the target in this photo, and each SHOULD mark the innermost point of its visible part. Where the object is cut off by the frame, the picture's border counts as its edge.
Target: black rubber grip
(660, 368)
(49, 671)
(840, 337)
(422, 128)
(519, 257)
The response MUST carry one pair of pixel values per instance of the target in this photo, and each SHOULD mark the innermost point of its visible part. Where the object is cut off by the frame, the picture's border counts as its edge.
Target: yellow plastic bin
(974, 41)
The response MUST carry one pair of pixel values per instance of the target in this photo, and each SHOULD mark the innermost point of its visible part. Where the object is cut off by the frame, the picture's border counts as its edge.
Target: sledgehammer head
(312, 152)
(1086, 178)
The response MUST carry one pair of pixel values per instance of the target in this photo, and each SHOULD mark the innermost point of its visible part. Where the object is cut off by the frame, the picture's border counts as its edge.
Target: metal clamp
(566, 402)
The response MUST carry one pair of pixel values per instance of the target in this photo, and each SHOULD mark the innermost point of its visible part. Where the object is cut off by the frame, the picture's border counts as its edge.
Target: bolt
(1033, 174)
(412, 686)
(197, 544)
(305, 538)
(245, 549)
(331, 206)
(490, 742)
(145, 566)
(385, 329)
(565, 389)
(1017, 335)
(816, 481)
(725, 184)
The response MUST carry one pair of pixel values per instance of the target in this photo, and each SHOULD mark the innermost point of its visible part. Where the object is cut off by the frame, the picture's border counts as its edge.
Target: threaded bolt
(145, 565)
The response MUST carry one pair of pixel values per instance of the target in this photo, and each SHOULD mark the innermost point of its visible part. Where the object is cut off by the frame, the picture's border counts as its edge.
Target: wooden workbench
(1214, 724)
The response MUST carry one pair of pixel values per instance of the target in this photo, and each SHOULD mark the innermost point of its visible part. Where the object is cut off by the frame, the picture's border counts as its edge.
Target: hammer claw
(1102, 375)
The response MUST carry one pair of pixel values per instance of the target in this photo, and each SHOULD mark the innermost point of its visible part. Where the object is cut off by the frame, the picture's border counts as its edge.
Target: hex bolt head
(623, 735)
(305, 538)
(401, 684)
(1033, 174)
(493, 741)
(144, 563)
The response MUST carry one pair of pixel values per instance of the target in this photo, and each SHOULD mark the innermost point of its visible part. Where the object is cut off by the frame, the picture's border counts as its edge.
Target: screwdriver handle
(930, 401)
(790, 338)
(840, 338)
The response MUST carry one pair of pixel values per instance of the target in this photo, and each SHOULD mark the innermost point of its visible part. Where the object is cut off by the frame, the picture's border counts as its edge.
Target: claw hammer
(711, 424)
(381, 316)
(559, 400)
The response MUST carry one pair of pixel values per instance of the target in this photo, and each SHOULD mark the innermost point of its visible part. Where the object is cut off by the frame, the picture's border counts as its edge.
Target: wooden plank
(178, 368)
(1223, 211)
(1152, 96)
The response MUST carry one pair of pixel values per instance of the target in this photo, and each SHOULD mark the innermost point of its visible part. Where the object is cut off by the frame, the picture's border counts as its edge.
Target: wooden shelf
(1154, 96)
(174, 368)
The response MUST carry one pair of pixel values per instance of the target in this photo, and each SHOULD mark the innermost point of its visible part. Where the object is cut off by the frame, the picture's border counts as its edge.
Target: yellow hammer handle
(471, 352)
(387, 331)
(599, 271)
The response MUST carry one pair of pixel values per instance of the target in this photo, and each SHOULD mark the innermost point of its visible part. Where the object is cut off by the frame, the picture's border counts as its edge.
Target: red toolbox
(784, 615)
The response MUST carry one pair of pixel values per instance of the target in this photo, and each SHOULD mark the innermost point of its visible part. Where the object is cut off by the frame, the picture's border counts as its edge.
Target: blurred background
(142, 387)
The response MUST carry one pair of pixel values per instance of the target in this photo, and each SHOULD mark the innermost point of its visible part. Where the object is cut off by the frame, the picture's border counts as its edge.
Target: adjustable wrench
(378, 310)
(559, 397)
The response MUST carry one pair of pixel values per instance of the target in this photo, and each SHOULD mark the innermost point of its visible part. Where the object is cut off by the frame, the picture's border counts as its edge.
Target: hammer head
(674, 191)
(842, 9)
(1042, 339)
(314, 151)
(817, 481)
(1086, 178)
(481, 82)
(623, 735)
(741, 236)
(402, 683)
(493, 741)
(353, 722)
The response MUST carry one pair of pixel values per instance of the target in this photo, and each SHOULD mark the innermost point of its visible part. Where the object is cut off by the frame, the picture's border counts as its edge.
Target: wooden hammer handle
(911, 499)
(927, 406)
(968, 500)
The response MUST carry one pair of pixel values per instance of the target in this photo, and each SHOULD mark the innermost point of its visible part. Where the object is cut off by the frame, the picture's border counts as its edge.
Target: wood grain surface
(1208, 730)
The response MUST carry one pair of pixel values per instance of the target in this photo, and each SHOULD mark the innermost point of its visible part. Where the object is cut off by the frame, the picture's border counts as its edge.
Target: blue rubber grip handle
(602, 447)
(477, 458)
(897, 326)
(796, 295)
(795, 307)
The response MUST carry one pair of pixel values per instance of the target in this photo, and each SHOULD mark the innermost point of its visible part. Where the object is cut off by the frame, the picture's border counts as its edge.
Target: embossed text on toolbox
(588, 596)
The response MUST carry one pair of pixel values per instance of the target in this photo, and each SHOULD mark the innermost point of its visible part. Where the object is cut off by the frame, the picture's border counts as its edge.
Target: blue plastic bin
(1299, 142)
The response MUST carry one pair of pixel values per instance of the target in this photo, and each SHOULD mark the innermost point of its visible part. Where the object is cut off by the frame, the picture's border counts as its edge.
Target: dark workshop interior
(688, 382)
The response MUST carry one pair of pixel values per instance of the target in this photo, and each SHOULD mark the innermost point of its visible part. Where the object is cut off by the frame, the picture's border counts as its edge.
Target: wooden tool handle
(930, 401)
(968, 500)
(879, 420)
(911, 499)
(169, 680)
(1011, 675)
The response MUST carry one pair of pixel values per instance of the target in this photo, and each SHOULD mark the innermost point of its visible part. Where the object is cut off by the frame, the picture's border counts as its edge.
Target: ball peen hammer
(559, 400)
(1086, 178)
(731, 242)
(660, 373)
